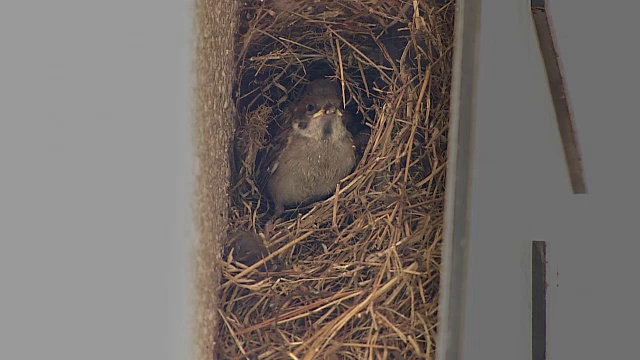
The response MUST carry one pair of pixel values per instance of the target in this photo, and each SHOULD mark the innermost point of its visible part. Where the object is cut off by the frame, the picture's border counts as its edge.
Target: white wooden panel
(521, 189)
(519, 174)
(595, 245)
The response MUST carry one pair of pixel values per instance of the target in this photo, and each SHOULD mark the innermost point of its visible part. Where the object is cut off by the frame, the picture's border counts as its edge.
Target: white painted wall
(521, 190)
(94, 179)
(595, 304)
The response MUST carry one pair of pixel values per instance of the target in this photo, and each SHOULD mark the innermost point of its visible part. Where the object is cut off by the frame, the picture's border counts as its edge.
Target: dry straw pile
(354, 276)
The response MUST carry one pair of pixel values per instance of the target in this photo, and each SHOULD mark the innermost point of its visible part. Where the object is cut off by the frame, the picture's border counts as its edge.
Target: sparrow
(317, 150)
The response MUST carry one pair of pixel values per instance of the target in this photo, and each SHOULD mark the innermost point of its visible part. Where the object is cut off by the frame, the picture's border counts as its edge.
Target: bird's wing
(272, 152)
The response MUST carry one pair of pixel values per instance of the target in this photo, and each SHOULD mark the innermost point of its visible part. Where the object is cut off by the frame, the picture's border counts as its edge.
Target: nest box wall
(215, 23)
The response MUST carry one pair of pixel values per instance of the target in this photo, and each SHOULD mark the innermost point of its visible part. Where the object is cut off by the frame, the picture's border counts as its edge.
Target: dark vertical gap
(539, 300)
(557, 86)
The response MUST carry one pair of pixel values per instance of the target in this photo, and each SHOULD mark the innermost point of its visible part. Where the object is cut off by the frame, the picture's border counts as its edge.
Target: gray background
(95, 157)
(96, 172)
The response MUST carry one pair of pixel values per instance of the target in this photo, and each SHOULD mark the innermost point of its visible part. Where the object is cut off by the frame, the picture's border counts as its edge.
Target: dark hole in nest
(274, 96)
(280, 85)
(285, 44)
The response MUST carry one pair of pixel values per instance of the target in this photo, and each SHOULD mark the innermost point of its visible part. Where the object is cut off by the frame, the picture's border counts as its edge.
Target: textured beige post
(215, 25)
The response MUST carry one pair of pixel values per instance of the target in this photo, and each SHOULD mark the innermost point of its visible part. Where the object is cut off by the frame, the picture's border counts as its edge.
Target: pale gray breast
(309, 169)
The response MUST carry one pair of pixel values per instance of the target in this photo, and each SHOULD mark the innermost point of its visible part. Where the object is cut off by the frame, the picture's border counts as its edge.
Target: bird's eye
(311, 107)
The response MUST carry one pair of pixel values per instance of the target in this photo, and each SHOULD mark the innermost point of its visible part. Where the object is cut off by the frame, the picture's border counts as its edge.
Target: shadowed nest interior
(354, 276)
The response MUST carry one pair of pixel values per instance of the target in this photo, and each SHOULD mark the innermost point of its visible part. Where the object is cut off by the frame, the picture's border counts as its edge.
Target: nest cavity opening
(354, 276)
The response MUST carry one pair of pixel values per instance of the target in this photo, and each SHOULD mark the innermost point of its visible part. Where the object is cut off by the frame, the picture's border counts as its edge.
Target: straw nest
(354, 276)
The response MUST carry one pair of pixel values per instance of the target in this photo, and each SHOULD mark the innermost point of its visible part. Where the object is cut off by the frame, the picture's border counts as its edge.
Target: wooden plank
(557, 86)
(216, 22)
(538, 300)
(456, 236)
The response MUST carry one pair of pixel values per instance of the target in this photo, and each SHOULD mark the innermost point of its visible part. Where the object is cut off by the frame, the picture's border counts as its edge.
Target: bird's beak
(330, 111)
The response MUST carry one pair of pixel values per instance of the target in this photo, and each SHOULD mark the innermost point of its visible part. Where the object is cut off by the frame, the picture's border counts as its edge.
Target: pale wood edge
(214, 27)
